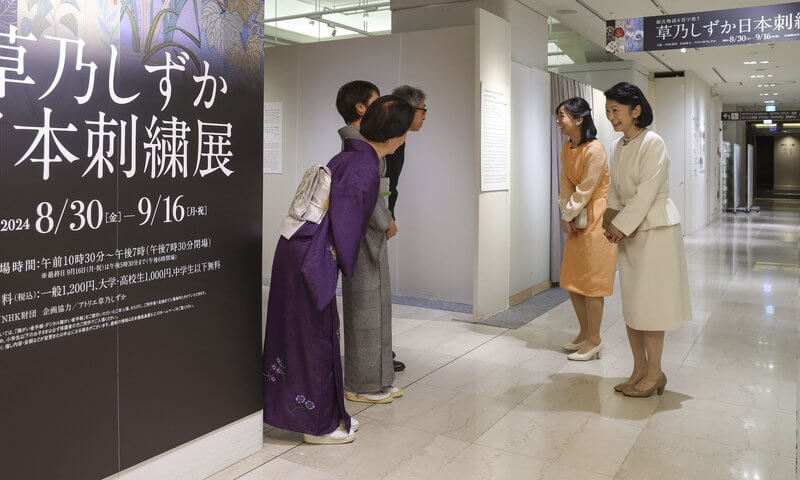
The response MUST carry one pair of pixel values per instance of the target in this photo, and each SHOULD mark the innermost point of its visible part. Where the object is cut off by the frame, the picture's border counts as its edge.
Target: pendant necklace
(626, 141)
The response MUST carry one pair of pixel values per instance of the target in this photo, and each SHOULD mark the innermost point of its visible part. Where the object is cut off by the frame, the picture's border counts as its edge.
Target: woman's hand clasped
(392, 230)
(613, 235)
(568, 227)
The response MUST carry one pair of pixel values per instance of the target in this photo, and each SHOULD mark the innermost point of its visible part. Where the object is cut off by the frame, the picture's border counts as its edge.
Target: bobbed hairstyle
(388, 117)
(578, 107)
(351, 94)
(631, 95)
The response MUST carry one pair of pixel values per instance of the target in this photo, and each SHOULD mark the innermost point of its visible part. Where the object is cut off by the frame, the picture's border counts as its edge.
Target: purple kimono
(303, 389)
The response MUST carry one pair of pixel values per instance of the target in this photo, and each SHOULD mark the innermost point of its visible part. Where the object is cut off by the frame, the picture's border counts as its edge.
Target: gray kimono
(367, 302)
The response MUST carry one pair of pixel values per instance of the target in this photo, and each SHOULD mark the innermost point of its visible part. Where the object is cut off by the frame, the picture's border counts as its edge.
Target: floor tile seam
(757, 410)
(747, 448)
(543, 460)
(436, 369)
(638, 437)
(515, 405)
(268, 461)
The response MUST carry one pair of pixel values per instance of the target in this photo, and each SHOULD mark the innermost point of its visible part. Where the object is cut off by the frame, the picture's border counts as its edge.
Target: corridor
(488, 403)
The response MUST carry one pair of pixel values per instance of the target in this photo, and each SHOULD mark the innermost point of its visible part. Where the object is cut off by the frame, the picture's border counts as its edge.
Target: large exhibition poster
(130, 229)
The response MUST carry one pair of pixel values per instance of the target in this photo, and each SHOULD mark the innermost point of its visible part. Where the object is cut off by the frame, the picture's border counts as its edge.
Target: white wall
(787, 162)
(530, 178)
(715, 154)
(433, 254)
(605, 75)
(414, 15)
(492, 236)
(435, 246)
(670, 114)
(683, 111)
(529, 34)
(698, 143)
(605, 132)
(530, 150)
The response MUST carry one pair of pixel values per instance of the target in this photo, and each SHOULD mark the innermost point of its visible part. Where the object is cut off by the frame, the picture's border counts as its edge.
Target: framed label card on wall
(130, 234)
(495, 138)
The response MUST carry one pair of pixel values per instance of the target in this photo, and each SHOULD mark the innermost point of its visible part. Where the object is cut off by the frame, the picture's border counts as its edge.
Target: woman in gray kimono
(368, 369)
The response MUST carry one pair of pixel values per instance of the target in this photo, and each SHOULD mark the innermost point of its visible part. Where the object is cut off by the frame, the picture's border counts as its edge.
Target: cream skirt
(654, 280)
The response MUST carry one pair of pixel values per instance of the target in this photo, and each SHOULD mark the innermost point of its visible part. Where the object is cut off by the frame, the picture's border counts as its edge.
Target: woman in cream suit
(652, 263)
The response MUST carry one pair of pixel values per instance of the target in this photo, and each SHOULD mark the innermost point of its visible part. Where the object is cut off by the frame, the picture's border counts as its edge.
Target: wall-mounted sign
(789, 115)
(737, 26)
(495, 138)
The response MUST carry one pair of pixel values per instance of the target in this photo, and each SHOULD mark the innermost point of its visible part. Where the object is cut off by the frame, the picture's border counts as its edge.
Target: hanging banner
(785, 116)
(130, 233)
(737, 26)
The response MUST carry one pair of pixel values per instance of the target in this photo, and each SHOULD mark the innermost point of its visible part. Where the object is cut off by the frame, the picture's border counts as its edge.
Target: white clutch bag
(582, 220)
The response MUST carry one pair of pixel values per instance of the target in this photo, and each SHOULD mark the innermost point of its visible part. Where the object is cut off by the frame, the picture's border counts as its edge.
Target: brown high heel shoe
(621, 387)
(658, 388)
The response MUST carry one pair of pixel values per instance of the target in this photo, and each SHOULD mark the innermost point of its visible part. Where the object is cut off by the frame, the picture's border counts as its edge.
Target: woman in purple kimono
(303, 388)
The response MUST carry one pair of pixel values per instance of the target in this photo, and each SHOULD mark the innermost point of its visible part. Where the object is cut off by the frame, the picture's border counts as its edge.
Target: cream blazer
(640, 184)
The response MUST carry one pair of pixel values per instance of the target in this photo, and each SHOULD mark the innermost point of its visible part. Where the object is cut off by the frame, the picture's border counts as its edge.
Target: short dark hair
(631, 95)
(351, 94)
(578, 107)
(412, 95)
(388, 117)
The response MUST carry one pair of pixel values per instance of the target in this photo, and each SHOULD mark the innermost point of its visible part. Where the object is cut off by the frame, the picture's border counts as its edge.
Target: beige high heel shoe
(657, 388)
(585, 357)
(572, 347)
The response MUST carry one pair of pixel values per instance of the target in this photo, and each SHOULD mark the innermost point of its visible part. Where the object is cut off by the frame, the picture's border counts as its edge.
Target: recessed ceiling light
(769, 101)
(683, 50)
(770, 75)
(751, 62)
(774, 93)
(764, 61)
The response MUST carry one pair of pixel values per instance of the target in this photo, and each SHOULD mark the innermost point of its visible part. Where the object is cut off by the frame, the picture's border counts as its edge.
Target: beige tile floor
(488, 403)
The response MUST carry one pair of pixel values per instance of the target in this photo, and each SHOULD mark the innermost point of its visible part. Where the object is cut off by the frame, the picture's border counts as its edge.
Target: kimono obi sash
(311, 200)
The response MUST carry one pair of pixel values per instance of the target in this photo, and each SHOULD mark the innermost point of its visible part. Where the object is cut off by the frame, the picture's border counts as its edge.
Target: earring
(580, 123)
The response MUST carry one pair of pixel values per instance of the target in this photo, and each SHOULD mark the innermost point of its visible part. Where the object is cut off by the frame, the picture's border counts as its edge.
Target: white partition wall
(455, 242)
(605, 75)
(435, 247)
(683, 118)
(605, 131)
(529, 268)
(433, 254)
(698, 146)
(492, 235)
(715, 154)
(530, 180)
(670, 115)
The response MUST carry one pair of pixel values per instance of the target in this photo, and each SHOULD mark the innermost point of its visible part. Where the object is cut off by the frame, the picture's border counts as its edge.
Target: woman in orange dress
(590, 262)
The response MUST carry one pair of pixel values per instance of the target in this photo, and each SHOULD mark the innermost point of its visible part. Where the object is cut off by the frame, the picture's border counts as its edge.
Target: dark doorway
(765, 164)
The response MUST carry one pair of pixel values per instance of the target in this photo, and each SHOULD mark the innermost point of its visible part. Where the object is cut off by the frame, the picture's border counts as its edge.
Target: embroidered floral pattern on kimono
(276, 370)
